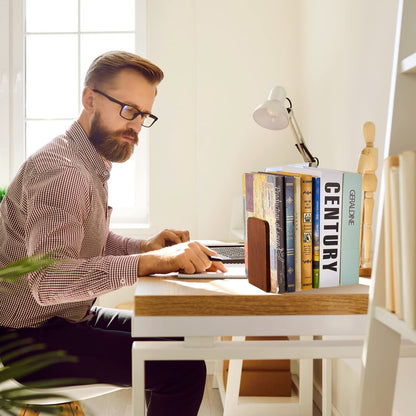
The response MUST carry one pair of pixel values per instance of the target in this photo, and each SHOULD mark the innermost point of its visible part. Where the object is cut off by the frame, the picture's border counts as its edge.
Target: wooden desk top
(170, 296)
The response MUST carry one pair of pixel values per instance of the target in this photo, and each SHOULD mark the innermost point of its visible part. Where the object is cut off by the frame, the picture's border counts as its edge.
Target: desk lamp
(274, 116)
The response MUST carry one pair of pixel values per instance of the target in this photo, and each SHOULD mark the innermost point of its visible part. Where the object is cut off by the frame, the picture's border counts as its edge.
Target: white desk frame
(200, 343)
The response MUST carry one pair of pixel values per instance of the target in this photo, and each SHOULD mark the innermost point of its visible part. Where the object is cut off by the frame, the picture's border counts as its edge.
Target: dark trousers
(103, 348)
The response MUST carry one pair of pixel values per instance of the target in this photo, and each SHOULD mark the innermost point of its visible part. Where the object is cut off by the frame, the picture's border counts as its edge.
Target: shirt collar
(87, 151)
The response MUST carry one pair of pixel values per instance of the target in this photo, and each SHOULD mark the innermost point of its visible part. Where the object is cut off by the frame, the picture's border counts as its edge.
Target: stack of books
(314, 224)
(400, 235)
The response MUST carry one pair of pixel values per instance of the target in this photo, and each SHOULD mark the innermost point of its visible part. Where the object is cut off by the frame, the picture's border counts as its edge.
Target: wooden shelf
(408, 64)
(392, 321)
(169, 296)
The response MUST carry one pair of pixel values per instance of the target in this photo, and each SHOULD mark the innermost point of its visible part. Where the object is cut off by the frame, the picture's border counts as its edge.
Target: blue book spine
(316, 186)
(290, 233)
(350, 226)
(278, 182)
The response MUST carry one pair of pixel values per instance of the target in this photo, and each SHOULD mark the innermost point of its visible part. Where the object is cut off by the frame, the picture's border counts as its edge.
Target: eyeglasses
(130, 113)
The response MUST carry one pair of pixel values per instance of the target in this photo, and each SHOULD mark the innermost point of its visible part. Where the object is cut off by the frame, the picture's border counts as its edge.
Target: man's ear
(88, 99)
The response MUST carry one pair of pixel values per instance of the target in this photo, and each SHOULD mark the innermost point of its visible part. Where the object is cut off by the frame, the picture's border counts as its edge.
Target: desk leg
(326, 387)
(138, 394)
(306, 384)
(233, 384)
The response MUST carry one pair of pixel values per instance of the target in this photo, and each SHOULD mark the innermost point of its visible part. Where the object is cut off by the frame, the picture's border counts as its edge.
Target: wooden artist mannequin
(367, 166)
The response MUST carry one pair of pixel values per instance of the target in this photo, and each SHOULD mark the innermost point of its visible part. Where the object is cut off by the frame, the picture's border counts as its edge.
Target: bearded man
(58, 203)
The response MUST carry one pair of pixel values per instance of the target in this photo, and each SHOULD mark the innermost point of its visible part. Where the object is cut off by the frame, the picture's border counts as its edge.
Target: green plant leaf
(24, 266)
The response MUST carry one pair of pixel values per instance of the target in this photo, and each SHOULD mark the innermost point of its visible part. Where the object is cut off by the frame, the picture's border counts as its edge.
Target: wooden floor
(119, 403)
(211, 403)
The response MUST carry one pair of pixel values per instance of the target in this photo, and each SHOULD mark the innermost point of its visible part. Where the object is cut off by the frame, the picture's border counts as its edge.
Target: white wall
(221, 58)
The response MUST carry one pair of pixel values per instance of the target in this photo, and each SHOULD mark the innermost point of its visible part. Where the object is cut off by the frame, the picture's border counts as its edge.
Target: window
(60, 40)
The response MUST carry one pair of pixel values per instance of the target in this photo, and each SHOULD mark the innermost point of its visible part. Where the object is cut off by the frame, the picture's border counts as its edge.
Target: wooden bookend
(258, 253)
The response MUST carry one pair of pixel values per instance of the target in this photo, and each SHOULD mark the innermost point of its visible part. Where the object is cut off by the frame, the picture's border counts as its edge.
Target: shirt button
(90, 292)
(122, 281)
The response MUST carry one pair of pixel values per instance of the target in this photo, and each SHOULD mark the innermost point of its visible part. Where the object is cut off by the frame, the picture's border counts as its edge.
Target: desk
(201, 310)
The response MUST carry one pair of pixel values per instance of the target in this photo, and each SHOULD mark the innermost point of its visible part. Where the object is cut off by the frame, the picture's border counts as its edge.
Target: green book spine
(350, 234)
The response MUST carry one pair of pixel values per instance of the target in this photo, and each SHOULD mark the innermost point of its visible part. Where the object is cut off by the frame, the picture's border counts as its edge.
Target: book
(396, 240)
(407, 175)
(298, 233)
(316, 186)
(290, 233)
(390, 302)
(350, 228)
(306, 226)
(331, 181)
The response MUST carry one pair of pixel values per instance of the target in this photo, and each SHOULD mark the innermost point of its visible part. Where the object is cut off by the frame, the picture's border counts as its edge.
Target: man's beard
(110, 143)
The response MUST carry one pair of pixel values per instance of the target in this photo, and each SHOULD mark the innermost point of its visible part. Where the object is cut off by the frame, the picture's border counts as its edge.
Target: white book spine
(330, 228)
(396, 241)
(407, 175)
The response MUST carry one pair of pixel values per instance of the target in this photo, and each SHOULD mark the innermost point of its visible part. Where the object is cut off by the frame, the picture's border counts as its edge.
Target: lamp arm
(300, 144)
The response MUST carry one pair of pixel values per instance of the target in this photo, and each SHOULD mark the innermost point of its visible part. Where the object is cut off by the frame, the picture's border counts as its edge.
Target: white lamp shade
(273, 114)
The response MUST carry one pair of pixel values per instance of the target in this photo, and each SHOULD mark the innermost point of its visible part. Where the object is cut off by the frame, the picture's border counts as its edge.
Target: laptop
(230, 253)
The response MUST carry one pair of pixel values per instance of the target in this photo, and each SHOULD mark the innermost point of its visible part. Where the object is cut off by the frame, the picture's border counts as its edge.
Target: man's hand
(165, 238)
(190, 257)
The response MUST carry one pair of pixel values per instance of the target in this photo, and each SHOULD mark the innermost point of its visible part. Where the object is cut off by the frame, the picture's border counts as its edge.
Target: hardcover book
(350, 228)
(407, 175)
(298, 233)
(389, 247)
(316, 230)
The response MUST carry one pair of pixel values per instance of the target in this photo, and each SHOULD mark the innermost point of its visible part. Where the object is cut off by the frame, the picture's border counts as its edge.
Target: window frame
(12, 100)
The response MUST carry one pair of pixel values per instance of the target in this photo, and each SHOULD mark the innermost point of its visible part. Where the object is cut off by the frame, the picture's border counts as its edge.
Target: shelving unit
(386, 332)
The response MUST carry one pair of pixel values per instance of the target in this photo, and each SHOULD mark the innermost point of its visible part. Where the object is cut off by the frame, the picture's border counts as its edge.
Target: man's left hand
(164, 239)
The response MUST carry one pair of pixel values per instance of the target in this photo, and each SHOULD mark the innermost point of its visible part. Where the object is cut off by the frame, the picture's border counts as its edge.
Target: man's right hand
(190, 257)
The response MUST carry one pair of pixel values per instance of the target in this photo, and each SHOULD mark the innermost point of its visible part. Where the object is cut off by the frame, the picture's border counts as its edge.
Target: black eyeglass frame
(123, 105)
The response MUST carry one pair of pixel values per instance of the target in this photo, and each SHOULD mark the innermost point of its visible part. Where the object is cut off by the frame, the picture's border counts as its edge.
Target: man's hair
(105, 67)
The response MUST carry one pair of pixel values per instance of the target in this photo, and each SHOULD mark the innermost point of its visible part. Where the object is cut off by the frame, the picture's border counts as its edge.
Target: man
(58, 203)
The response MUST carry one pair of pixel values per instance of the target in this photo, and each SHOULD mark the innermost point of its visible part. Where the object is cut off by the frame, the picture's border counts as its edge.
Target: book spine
(298, 233)
(389, 248)
(350, 228)
(330, 228)
(306, 230)
(280, 218)
(407, 175)
(316, 230)
(396, 241)
(248, 204)
(290, 233)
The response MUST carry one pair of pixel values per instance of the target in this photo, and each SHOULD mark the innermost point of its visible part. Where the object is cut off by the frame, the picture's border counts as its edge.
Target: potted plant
(2, 193)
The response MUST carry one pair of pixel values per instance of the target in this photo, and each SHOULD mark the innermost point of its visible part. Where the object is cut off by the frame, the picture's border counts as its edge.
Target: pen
(213, 258)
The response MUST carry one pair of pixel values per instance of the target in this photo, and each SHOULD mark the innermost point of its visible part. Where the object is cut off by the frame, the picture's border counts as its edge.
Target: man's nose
(136, 124)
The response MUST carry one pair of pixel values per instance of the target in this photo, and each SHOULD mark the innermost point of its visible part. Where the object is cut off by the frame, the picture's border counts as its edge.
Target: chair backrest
(69, 393)
(8, 384)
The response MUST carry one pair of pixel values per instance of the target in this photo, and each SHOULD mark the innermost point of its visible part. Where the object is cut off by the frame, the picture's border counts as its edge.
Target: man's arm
(190, 257)
(118, 245)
